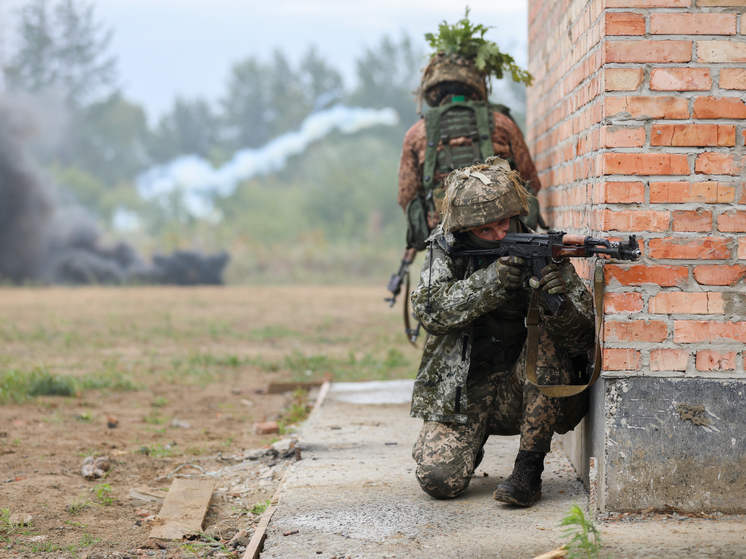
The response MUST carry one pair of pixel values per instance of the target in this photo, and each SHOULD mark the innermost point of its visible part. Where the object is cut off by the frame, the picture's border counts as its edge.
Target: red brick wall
(635, 124)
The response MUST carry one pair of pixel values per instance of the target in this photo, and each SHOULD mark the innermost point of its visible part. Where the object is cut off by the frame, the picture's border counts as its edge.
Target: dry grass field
(182, 372)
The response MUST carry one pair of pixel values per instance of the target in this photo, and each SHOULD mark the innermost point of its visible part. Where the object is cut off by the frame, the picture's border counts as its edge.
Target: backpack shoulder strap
(502, 109)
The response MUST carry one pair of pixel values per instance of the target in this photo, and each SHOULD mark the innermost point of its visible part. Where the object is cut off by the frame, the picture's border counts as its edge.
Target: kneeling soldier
(472, 380)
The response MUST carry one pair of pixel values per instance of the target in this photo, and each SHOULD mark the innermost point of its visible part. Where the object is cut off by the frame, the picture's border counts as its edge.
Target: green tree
(388, 74)
(62, 49)
(323, 84)
(109, 140)
(85, 69)
(190, 127)
(32, 69)
(288, 103)
(266, 100)
(246, 106)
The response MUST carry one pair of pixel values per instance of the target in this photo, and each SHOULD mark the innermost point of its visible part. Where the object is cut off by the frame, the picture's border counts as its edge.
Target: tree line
(342, 189)
(64, 51)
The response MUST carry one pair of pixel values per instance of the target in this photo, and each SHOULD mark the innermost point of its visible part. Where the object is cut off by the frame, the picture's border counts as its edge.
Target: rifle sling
(407, 324)
(532, 324)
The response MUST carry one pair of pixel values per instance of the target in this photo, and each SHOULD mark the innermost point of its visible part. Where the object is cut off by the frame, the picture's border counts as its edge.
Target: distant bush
(17, 386)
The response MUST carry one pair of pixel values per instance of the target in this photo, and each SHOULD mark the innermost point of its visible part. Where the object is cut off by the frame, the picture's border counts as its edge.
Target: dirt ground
(166, 378)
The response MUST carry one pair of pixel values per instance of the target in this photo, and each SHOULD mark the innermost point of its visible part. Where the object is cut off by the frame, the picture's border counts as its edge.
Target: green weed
(203, 368)
(264, 365)
(103, 494)
(161, 451)
(260, 507)
(109, 378)
(272, 333)
(584, 537)
(196, 451)
(221, 329)
(18, 386)
(159, 402)
(7, 526)
(299, 408)
(44, 547)
(206, 541)
(42, 383)
(90, 452)
(368, 366)
(78, 504)
(87, 540)
(155, 418)
(57, 418)
(208, 359)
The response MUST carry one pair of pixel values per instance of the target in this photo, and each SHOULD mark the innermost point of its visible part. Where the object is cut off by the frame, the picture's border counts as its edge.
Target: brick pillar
(635, 124)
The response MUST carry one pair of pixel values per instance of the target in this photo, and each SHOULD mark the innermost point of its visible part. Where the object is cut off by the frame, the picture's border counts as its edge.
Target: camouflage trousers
(499, 403)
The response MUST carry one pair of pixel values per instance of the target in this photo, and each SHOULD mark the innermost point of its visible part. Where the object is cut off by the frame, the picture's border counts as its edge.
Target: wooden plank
(559, 553)
(282, 387)
(260, 534)
(323, 391)
(184, 509)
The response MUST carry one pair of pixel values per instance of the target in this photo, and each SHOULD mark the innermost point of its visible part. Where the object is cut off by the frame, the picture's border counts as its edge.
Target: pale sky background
(187, 47)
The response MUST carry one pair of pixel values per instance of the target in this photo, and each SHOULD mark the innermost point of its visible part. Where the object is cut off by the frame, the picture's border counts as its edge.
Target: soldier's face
(494, 231)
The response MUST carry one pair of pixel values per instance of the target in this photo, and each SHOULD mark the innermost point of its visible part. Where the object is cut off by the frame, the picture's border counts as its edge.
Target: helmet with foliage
(483, 193)
(446, 68)
(462, 55)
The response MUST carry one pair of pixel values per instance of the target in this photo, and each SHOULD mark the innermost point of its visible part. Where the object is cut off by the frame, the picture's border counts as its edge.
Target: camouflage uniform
(464, 396)
(507, 141)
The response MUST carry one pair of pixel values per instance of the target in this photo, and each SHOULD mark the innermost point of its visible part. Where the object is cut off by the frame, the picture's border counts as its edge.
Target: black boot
(523, 487)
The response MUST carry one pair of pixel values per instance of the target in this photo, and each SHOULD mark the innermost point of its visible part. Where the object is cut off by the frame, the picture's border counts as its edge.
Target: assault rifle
(540, 249)
(398, 278)
(394, 286)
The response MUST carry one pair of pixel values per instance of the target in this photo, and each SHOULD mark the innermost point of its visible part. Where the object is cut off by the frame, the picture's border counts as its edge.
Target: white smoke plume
(198, 180)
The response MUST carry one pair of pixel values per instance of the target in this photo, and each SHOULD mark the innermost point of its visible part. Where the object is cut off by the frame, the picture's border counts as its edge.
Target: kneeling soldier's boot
(523, 487)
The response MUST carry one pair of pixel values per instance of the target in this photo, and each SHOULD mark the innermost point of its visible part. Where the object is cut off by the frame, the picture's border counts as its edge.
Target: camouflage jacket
(459, 292)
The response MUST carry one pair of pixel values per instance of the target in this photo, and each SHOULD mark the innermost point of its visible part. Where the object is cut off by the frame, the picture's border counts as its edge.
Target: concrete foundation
(664, 442)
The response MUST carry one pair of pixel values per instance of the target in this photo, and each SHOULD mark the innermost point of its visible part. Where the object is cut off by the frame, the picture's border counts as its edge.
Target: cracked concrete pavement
(354, 494)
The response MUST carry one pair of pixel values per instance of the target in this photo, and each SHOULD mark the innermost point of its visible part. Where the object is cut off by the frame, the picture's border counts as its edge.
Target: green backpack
(471, 119)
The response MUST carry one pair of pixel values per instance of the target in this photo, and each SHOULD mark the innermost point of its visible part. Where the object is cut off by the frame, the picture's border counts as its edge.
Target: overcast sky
(187, 47)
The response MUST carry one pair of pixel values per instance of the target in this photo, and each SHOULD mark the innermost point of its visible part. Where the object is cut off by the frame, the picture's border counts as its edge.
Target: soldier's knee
(442, 481)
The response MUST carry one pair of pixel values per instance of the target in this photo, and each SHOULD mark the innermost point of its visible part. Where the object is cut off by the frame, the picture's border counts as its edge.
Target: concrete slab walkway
(354, 494)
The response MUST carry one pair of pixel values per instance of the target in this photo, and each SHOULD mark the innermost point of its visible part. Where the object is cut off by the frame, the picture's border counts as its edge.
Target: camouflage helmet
(444, 68)
(483, 193)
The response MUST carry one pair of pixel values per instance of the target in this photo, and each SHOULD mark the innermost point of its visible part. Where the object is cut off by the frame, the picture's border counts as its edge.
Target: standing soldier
(461, 128)
(473, 381)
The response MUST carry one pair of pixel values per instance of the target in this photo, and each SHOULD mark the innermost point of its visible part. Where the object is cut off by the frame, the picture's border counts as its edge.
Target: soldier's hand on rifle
(551, 281)
(511, 271)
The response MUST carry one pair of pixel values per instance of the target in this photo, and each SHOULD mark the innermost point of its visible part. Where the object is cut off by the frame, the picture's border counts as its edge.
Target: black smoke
(45, 238)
